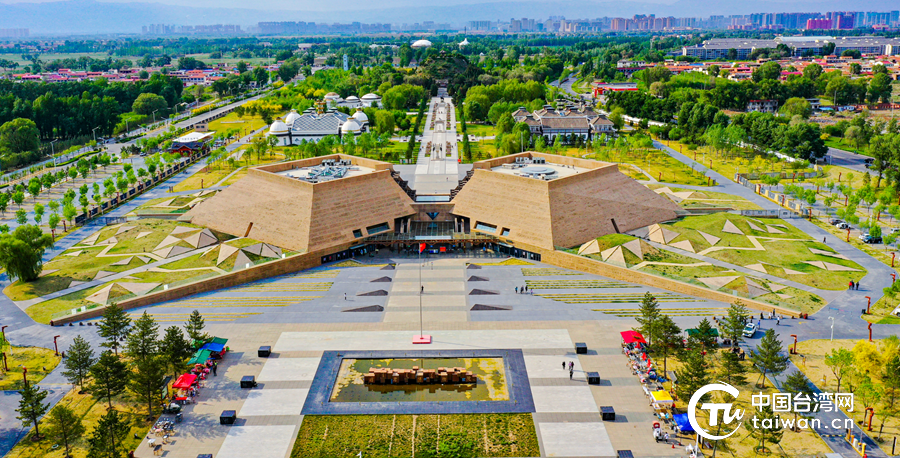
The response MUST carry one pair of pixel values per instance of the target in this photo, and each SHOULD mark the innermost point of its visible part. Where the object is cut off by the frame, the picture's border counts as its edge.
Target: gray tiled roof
(312, 124)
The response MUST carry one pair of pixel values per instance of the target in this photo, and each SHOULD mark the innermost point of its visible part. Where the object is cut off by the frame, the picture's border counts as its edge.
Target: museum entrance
(441, 238)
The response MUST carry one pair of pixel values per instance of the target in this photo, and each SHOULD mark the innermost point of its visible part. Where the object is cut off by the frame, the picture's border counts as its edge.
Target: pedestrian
(564, 365)
(778, 323)
(823, 239)
(667, 437)
(571, 373)
(851, 284)
(215, 366)
(422, 291)
(345, 296)
(571, 365)
(517, 290)
(857, 285)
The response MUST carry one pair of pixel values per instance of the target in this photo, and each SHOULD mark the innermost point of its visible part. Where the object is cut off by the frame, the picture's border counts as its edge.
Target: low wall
(287, 265)
(585, 264)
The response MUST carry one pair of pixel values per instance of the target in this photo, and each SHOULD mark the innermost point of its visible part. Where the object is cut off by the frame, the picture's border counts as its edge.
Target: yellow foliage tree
(867, 358)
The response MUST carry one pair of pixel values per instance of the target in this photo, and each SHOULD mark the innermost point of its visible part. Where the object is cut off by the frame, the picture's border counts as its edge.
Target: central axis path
(437, 166)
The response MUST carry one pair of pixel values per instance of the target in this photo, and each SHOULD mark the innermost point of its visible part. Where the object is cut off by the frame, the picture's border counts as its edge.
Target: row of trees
(139, 371)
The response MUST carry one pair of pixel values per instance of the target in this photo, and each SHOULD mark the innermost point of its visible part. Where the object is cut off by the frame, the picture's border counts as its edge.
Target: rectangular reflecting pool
(491, 382)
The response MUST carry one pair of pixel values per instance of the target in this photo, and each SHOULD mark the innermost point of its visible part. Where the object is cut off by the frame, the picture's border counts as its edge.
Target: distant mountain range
(93, 17)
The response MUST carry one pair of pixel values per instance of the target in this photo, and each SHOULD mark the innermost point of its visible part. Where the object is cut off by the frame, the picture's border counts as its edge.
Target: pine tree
(649, 318)
(769, 356)
(764, 435)
(64, 426)
(78, 362)
(194, 328)
(143, 338)
(668, 338)
(703, 337)
(113, 327)
(797, 384)
(693, 375)
(146, 380)
(840, 361)
(732, 326)
(107, 436)
(32, 407)
(109, 375)
(731, 370)
(174, 349)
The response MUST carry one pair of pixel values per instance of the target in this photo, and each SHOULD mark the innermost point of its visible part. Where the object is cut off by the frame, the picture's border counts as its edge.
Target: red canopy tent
(632, 336)
(184, 381)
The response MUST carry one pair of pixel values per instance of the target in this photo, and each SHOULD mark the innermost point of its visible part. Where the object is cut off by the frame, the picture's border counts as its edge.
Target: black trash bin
(248, 381)
(264, 351)
(581, 348)
(228, 417)
(593, 378)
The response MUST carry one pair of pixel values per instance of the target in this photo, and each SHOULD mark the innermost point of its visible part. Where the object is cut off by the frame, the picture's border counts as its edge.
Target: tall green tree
(668, 339)
(175, 349)
(840, 361)
(693, 374)
(19, 135)
(113, 327)
(142, 341)
(78, 362)
(31, 407)
(649, 318)
(64, 426)
(731, 370)
(770, 435)
(109, 375)
(703, 336)
(732, 326)
(194, 327)
(22, 251)
(146, 380)
(106, 438)
(798, 385)
(769, 356)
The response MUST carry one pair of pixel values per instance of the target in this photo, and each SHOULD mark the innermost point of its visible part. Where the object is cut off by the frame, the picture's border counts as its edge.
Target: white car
(750, 330)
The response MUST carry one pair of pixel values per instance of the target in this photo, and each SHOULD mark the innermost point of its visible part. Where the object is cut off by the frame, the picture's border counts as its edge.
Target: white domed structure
(421, 44)
(332, 96)
(360, 117)
(278, 128)
(350, 127)
(464, 43)
(352, 99)
(291, 117)
(371, 100)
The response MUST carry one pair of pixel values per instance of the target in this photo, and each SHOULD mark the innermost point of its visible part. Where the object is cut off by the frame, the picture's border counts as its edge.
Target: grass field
(39, 361)
(658, 164)
(789, 249)
(705, 199)
(89, 410)
(478, 130)
(459, 436)
(246, 123)
(846, 145)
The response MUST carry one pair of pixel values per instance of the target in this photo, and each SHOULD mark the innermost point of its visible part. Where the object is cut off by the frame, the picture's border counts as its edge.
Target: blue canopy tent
(214, 347)
(683, 424)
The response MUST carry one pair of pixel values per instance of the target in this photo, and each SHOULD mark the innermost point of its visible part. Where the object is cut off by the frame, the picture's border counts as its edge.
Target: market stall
(184, 387)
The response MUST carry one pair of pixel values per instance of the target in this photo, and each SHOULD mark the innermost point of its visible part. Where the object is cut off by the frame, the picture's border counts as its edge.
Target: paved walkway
(437, 170)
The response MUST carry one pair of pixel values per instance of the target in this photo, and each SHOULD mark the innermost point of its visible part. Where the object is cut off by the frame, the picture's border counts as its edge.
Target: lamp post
(154, 115)
(53, 151)
(832, 327)
(94, 133)
(55, 345)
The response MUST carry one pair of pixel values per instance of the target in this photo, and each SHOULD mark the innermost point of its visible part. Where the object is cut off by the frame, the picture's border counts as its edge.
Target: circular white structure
(465, 42)
(538, 171)
(352, 99)
(278, 128)
(331, 96)
(421, 44)
(370, 97)
(360, 117)
(291, 117)
(350, 127)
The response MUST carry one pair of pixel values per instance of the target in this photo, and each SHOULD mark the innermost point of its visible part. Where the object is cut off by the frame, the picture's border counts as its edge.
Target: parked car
(866, 238)
(843, 225)
(835, 221)
(750, 330)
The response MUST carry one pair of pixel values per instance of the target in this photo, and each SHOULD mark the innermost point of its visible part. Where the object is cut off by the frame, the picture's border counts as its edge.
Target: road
(847, 159)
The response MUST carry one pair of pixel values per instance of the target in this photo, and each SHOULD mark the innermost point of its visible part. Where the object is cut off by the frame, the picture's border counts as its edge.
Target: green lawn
(461, 436)
(790, 250)
(658, 164)
(840, 143)
(39, 361)
(478, 130)
(705, 199)
(246, 123)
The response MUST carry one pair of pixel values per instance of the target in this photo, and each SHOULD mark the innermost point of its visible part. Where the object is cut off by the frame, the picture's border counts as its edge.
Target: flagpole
(421, 326)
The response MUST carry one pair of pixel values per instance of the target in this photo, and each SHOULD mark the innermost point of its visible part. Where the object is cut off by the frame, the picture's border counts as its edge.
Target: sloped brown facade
(303, 216)
(563, 212)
